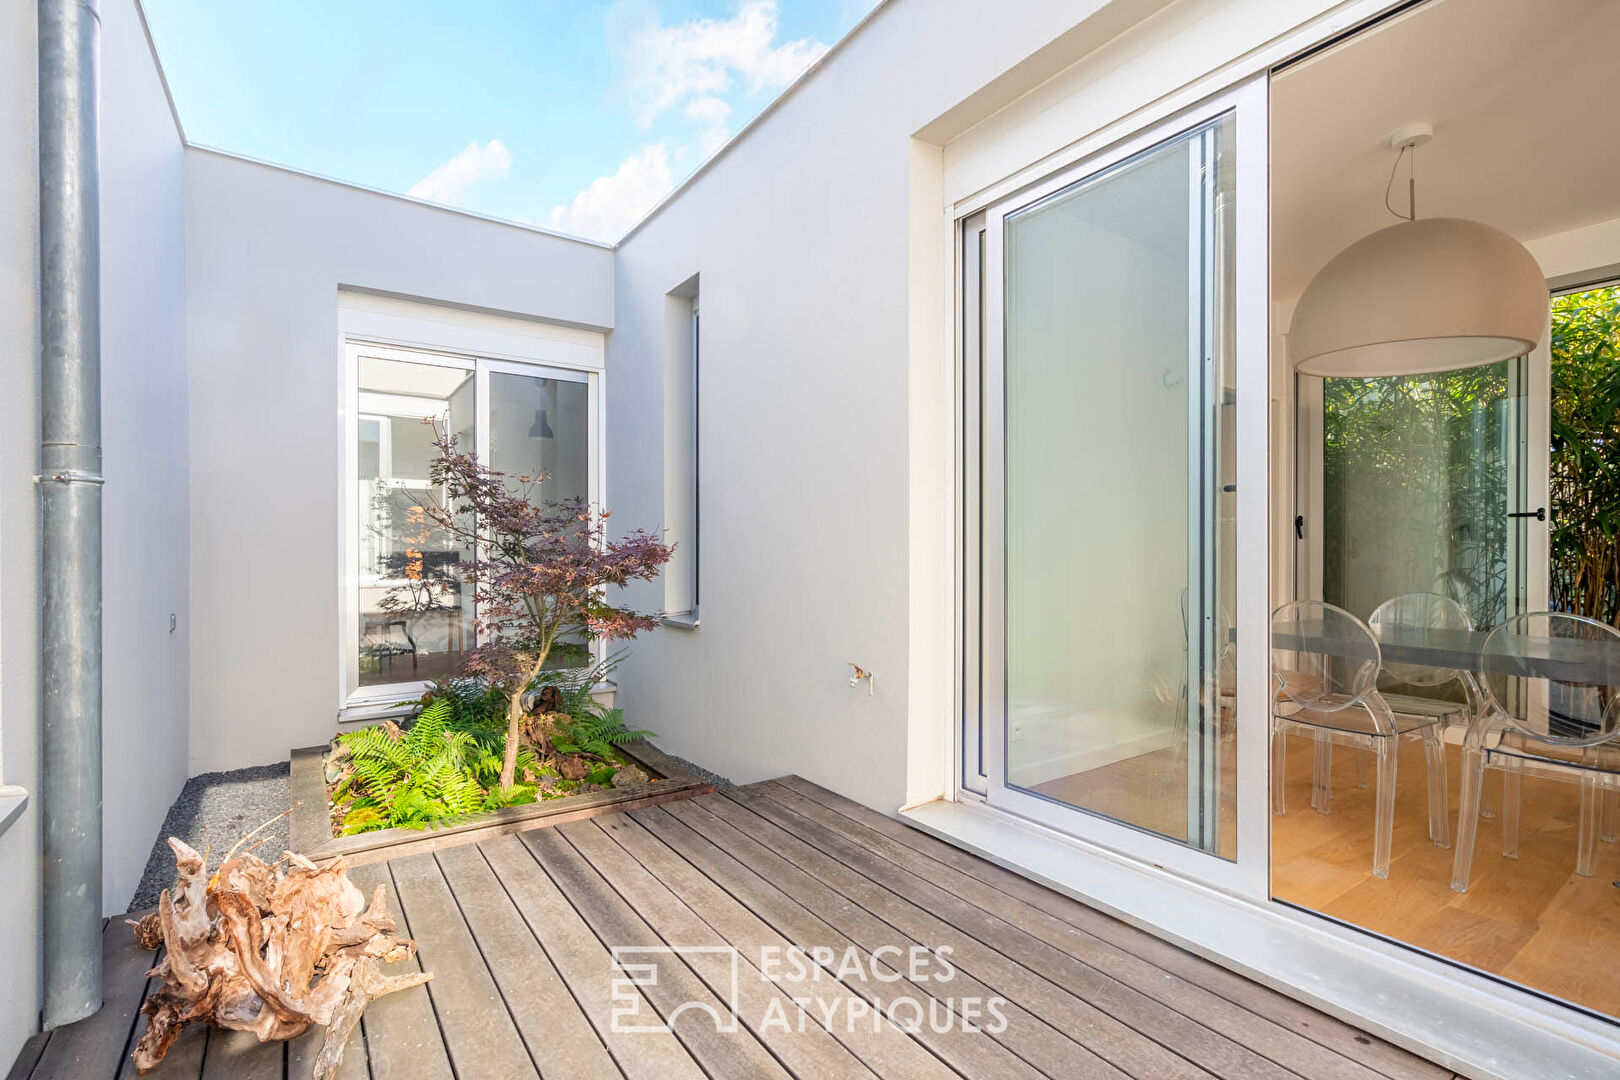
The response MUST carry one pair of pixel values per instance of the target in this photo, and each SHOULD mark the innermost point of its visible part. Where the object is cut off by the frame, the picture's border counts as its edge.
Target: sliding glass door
(1107, 420)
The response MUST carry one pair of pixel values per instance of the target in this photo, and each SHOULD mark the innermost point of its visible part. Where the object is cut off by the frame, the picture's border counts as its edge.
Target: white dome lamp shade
(1436, 294)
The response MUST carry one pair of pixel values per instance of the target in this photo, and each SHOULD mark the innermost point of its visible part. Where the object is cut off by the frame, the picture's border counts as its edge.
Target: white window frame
(352, 698)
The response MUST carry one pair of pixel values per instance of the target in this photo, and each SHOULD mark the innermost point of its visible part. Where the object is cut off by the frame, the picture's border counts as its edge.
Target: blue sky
(571, 114)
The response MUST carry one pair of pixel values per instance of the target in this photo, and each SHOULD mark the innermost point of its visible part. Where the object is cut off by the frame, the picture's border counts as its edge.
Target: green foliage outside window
(1585, 461)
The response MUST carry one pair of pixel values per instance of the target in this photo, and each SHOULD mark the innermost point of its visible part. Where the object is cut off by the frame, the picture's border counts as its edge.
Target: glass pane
(1119, 496)
(415, 618)
(1418, 477)
(541, 427)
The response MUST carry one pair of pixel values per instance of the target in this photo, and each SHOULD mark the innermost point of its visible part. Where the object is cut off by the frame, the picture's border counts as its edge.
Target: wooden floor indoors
(1150, 791)
(517, 932)
(1530, 919)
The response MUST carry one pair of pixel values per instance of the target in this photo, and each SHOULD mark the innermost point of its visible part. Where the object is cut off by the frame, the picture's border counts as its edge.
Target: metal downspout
(70, 508)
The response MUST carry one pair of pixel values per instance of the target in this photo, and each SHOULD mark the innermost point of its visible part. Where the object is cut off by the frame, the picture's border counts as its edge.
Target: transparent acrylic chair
(1552, 710)
(1431, 611)
(1419, 612)
(1326, 663)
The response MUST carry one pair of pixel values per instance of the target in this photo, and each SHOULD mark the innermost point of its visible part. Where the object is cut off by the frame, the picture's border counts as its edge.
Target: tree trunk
(514, 723)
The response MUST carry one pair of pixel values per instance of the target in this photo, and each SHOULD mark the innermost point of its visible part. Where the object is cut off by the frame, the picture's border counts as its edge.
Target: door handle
(1539, 513)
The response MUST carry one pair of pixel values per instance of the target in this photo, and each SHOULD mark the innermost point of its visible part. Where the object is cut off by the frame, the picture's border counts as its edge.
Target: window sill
(13, 800)
(684, 621)
(1468, 1022)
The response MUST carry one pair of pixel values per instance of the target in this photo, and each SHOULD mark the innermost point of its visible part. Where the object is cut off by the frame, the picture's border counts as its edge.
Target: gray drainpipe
(70, 508)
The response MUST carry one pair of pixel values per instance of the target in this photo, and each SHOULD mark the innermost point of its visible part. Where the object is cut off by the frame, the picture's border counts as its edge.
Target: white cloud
(690, 67)
(707, 110)
(669, 64)
(448, 183)
(607, 208)
(714, 116)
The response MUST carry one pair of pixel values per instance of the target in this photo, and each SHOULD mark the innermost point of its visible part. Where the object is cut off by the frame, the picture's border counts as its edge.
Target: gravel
(714, 778)
(214, 811)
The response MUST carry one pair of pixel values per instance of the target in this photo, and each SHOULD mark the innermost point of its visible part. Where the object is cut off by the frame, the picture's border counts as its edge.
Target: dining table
(1578, 661)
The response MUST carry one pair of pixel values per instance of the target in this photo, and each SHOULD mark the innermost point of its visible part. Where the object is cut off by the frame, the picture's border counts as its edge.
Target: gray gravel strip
(714, 778)
(213, 812)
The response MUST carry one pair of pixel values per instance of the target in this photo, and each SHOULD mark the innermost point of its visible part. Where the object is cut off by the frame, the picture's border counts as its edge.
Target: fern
(444, 768)
(595, 730)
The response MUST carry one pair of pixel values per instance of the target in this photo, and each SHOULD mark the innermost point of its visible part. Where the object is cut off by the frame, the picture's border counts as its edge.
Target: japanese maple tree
(544, 572)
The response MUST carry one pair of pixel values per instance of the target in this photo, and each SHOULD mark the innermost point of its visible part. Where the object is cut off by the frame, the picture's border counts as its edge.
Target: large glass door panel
(414, 613)
(1109, 484)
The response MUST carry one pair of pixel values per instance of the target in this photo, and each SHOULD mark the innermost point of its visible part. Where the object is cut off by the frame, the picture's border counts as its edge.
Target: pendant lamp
(1426, 295)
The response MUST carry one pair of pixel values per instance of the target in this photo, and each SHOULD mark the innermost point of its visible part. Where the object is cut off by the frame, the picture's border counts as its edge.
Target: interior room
(1438, 488)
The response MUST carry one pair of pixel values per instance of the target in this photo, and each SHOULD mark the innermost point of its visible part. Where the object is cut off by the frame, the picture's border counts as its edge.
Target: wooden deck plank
(814, 918)
(549, 1020)
(1051, 943)
(184, 1061)
(400, 1033)
(302, 1050)
(95, 1045)
(584, 963)
(1116, 1042)
(28, 1056)
(1007, 887)
(1005, 956)
(239, 1055)
(804, 1047)
(478, 1029)
(888, 1051)
(719, 1053)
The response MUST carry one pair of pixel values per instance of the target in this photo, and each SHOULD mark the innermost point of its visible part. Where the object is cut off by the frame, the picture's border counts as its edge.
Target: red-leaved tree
(542, 573)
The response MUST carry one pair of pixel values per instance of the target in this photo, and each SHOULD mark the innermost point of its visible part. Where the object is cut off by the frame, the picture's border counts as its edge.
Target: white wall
(143, 410)
(818, 283)
(267, 250)
(144, 508)
(19, 451)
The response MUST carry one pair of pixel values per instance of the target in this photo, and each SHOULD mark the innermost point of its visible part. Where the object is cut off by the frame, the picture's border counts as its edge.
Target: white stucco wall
(266, 252)
(143, 410)
(19, 449)
(828, 454)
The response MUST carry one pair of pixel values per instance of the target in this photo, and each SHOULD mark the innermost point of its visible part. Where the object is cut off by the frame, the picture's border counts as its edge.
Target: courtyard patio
(518, 930)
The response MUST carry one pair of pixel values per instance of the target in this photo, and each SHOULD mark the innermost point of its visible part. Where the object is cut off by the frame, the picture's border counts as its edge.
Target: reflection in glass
(1120, 501)
(540, 427)
(415, 616)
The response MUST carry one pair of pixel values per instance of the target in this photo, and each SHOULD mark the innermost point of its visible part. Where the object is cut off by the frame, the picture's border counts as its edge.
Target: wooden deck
(517, 931)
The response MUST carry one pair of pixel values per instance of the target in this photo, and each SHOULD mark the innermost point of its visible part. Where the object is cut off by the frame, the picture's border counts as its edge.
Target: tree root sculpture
(271, 949)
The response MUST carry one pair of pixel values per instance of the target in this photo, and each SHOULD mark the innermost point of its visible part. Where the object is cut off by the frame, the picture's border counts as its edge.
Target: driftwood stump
(267, 949)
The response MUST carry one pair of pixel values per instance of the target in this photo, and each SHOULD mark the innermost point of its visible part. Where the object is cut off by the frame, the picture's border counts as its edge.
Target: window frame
(354, 700)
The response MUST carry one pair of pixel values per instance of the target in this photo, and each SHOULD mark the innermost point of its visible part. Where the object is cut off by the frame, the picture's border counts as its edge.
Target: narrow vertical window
(683, 359)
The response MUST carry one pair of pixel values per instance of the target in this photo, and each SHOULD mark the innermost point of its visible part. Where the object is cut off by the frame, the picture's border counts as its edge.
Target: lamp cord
(1411, 185)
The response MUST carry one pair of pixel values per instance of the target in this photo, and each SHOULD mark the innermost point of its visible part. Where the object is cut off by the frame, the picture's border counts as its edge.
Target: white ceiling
(1524, 98)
